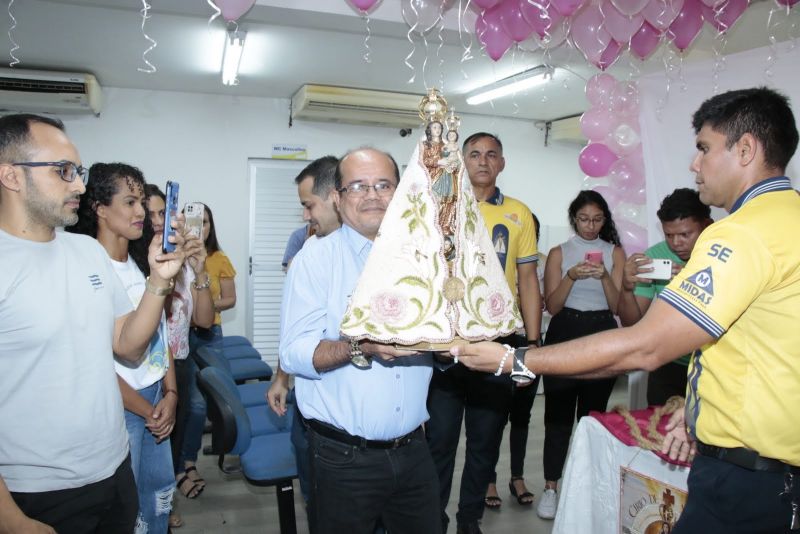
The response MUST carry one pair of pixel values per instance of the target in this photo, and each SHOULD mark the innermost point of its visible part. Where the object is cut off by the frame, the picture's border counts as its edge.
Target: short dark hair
(683, 203)
(15, 134)
(337, 177)
(152, 190)
(608, 232)
(537, 227)
(103, 184)
(322, 171)
(764, 113)
(480, 135)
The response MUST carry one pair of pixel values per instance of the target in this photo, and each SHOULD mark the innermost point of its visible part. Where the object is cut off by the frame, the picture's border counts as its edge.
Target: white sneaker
(547, 504)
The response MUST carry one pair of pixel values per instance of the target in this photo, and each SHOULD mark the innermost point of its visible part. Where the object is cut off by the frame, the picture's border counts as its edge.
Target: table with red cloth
(589, 496)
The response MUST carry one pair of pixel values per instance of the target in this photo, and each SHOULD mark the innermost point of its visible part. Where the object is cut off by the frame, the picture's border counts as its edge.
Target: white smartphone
(193, 211)
(662, 270)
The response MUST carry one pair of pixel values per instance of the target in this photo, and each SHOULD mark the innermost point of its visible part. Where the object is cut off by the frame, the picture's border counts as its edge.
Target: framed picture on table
(647, 505)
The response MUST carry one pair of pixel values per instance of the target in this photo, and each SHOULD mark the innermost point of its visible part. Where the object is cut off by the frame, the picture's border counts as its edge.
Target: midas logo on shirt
(700, 286)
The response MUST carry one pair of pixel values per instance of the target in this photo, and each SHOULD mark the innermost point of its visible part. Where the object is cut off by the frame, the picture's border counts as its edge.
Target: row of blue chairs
(242, 424)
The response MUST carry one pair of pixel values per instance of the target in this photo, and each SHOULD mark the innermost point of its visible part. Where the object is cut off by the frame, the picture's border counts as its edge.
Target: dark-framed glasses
(382, 189)
(67, 169)
(588, 220)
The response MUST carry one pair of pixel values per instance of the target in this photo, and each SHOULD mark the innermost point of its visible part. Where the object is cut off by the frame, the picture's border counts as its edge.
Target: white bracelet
(509, 352)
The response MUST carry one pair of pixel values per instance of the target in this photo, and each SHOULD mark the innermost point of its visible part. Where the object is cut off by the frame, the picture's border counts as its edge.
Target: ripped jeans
(152, 469)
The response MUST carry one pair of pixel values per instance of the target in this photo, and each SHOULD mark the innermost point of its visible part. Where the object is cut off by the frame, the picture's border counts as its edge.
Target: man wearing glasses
(64, 460)
(369, 459)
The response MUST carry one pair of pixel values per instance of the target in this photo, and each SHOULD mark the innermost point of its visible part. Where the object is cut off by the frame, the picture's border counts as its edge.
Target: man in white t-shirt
(64, 463)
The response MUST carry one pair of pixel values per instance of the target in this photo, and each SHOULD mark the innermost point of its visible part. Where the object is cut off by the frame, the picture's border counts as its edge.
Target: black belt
(747, 458)
(357, 441)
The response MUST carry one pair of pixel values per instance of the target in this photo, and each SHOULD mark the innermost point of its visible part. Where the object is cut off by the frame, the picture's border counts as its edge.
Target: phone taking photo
(594, 256)
(194, 212)
(662, 270)
(170, 213)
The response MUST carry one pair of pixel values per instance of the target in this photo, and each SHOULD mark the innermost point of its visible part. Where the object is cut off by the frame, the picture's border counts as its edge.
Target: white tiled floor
(230, 505)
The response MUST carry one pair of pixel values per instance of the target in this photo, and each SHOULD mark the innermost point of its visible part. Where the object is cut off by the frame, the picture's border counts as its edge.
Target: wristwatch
(358, 358)
(519, 372)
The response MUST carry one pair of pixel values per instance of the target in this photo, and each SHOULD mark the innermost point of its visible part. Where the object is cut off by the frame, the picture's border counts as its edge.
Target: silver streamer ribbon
(145, 11)
(14, 45)
(217, 11)
(440, 23)
(720, 42)
(462, 28)
(410, 55)
(367, 50)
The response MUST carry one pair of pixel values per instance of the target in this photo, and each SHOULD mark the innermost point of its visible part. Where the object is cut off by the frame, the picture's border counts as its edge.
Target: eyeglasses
(382, 189)
(586, 220)
(68, 170)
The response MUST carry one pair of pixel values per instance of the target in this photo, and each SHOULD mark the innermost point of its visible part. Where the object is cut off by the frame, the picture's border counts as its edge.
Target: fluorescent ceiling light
(232, 56)
(518, 82)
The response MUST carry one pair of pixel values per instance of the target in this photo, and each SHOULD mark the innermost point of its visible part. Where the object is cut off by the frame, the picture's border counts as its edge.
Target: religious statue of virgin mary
(432, 277)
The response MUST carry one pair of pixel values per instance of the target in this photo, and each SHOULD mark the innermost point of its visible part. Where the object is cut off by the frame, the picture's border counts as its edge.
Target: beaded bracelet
(509, 352)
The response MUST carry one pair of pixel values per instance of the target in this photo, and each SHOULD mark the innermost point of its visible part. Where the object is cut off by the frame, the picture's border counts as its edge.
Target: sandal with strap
(199, 481)
(493, 502)
(526, 498)
(192, 490)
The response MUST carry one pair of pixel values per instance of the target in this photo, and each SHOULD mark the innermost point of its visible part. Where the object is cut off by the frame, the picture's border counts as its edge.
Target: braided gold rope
(654, 439)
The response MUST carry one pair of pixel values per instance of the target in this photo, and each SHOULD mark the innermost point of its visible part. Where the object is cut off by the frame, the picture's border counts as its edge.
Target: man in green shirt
(683, 218)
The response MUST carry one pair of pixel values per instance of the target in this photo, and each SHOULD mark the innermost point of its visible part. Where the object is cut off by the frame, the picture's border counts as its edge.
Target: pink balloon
(621, 27)
(609, 55)
(486, 4)
(630, 7)
(684, 29)
(542, 17)
(625, 174)
(233, 9)
(645, 41)
(490, 33)
(786, 3)
(724, 15)
(596, 159)
(599, 89)
(512, 21)
(611, 197)
(567, 7)
(588, 33)
(625, 100)
(633, 236)
(661, 13)
(553, 36)
(596, 123)
(711, 3)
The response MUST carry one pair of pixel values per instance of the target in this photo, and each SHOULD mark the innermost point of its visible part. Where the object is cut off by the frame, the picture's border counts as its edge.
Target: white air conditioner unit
(356, 106)
(40, 91)
(566, 130)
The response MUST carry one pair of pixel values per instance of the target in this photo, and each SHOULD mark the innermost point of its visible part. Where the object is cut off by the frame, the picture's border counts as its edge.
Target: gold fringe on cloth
(654, 439)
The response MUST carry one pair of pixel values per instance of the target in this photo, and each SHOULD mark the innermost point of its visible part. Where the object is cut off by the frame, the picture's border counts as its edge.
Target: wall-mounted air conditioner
(356, 106)
(40, 91)
(565, 130)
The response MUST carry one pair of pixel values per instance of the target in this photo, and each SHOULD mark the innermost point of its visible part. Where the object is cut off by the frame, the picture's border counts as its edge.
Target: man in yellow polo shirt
(736, 304)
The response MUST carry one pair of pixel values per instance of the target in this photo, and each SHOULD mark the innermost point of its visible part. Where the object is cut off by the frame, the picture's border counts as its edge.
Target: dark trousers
(353, 488)
(108, 506)
(482, 401)
(567, 399)
(667, 381)
(519, 415)
(727, 498)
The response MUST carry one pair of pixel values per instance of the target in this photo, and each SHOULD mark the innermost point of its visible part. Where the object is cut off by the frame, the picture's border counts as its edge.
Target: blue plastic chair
(241, 370)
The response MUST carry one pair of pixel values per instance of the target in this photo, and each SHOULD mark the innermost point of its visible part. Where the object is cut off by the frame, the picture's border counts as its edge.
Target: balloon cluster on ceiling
(600, 29)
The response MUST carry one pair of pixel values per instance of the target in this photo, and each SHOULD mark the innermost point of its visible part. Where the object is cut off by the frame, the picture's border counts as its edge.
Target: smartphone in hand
(194, 212)
(169, 214)
(594, 256)
(662, 270)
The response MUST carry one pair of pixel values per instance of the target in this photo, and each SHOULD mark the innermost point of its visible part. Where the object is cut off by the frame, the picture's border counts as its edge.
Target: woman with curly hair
(582, 280)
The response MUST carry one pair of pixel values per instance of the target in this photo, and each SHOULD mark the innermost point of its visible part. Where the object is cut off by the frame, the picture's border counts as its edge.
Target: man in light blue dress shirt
(369, 458)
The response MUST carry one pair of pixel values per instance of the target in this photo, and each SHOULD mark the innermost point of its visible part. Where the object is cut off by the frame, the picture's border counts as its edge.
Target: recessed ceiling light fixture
(518, 82)
(232, 56)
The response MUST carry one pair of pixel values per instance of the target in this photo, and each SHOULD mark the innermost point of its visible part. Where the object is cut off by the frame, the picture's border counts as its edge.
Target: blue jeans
(152, 469)
(195, 418)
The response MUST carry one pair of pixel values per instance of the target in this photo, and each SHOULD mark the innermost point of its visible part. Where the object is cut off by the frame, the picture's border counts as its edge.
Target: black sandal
(522, 497)
(190, 492)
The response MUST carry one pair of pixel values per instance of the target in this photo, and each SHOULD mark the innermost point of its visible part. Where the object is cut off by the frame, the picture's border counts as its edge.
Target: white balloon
(421, 15)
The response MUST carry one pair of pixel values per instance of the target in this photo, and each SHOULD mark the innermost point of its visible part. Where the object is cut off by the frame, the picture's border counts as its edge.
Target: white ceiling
(293, 42)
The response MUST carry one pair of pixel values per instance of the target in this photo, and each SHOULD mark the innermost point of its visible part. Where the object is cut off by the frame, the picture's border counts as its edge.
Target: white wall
(204, 141)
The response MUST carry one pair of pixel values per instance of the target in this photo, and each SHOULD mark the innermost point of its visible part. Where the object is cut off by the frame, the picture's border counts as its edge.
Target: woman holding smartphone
(190, 304)
(112, 211)
(581, 285)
